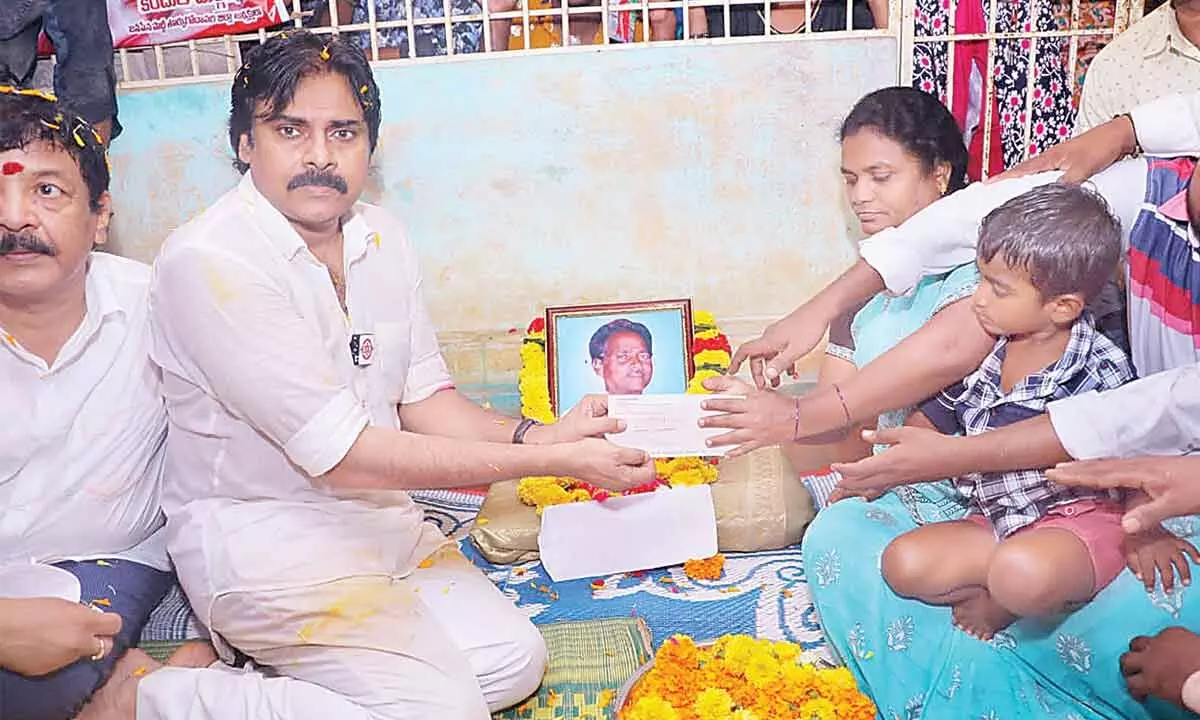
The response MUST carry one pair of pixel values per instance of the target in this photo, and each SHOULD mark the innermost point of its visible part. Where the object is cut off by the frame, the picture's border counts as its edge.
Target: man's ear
(598, 365)
(1066, 309)
(245, 145)
(103, 219)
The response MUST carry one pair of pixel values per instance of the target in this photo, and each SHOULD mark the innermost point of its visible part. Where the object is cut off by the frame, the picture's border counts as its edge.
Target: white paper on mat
(625, 534)
(665, 425)
(37, 581)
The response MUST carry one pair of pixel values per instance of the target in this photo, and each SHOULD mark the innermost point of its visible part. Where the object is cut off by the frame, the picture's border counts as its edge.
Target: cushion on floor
(589, 662)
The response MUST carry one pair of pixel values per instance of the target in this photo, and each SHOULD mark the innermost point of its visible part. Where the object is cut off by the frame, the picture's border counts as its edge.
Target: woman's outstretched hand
(758, 418)
(914, 455)
(776, 351)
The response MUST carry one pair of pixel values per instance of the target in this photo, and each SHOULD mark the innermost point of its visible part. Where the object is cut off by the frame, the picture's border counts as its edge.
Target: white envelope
(665, 425)
(625, 534)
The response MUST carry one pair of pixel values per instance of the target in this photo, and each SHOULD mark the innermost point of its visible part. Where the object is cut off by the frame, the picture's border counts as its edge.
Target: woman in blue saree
(901, 151)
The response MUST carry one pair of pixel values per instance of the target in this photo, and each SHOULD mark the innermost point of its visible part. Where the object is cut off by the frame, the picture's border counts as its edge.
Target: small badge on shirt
(362, 348)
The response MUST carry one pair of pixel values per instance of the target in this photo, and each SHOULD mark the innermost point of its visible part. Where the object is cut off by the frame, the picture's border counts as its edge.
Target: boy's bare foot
(117, 698)
(981, 616)
(193, 654)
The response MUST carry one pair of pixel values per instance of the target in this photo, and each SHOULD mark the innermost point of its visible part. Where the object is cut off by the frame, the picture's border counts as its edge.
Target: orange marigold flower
(707, 569)
(818, 709)
(739, 677)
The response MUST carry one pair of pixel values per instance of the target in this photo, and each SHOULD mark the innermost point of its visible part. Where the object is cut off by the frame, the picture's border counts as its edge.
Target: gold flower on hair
(325, 53)
(10, 90)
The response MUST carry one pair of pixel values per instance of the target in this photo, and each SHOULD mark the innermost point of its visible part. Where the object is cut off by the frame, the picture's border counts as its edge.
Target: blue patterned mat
(763, 594)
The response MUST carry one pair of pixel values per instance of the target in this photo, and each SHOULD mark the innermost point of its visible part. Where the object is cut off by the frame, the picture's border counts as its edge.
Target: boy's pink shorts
(1095, 522)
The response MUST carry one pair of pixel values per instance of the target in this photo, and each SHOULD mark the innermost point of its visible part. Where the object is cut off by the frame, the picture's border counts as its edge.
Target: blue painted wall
(623, 173)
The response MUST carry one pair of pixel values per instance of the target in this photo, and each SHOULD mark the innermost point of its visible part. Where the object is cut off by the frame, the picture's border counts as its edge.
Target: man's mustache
(317, 178)
(11, 242)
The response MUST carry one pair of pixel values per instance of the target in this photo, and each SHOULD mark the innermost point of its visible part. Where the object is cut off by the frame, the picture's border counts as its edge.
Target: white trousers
(440, 643)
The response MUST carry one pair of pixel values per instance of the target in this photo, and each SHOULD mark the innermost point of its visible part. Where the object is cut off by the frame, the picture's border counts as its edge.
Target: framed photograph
(631, 348)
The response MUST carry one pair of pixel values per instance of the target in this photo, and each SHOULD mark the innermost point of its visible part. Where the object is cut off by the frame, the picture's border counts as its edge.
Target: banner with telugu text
(136, 23)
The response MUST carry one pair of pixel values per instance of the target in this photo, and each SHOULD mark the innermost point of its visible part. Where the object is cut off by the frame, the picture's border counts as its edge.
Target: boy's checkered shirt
(1012, 500)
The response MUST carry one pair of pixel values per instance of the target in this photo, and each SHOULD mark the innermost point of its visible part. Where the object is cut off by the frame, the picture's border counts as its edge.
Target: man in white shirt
(306, 392)
(82, 552)
(1157, 56)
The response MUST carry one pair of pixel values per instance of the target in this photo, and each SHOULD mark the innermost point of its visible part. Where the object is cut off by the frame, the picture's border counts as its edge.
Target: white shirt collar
(356, 234)
(1169, 37)
(101, 302)
(100, 295)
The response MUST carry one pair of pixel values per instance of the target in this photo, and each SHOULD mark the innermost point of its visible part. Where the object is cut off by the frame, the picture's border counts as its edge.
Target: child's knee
(905, 564)
(1026, 584)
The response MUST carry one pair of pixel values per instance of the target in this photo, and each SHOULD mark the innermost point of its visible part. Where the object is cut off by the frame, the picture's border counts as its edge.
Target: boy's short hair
(1064, 236)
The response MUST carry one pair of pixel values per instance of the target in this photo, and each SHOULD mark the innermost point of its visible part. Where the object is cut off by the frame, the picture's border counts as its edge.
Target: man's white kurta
(263, 395)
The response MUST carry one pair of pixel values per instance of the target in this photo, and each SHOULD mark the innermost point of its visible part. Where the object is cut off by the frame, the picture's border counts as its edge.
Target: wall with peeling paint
(621, 174)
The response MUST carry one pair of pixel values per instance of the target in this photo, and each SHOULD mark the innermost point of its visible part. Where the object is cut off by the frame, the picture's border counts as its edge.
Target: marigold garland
(710, 355)
(742, 678)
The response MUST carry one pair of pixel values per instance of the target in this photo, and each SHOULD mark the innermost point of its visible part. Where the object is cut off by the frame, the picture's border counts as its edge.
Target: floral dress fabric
(430, 39)
(1055, 97)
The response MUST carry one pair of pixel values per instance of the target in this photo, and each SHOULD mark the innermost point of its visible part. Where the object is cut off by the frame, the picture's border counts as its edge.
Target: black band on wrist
(1137, 145)
(518, 437)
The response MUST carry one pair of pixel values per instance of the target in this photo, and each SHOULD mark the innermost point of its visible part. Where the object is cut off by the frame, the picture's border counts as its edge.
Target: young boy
(1028, 546)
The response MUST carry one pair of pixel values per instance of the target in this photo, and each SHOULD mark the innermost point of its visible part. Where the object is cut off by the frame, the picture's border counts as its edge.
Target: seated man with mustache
(307, 393)
(82, 553)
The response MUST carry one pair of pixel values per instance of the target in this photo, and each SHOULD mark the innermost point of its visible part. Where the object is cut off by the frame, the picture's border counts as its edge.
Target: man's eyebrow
(289, 119)
(51, 174)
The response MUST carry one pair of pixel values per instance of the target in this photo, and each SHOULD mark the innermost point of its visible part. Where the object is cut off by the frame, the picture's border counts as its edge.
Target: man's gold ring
(101, 649)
